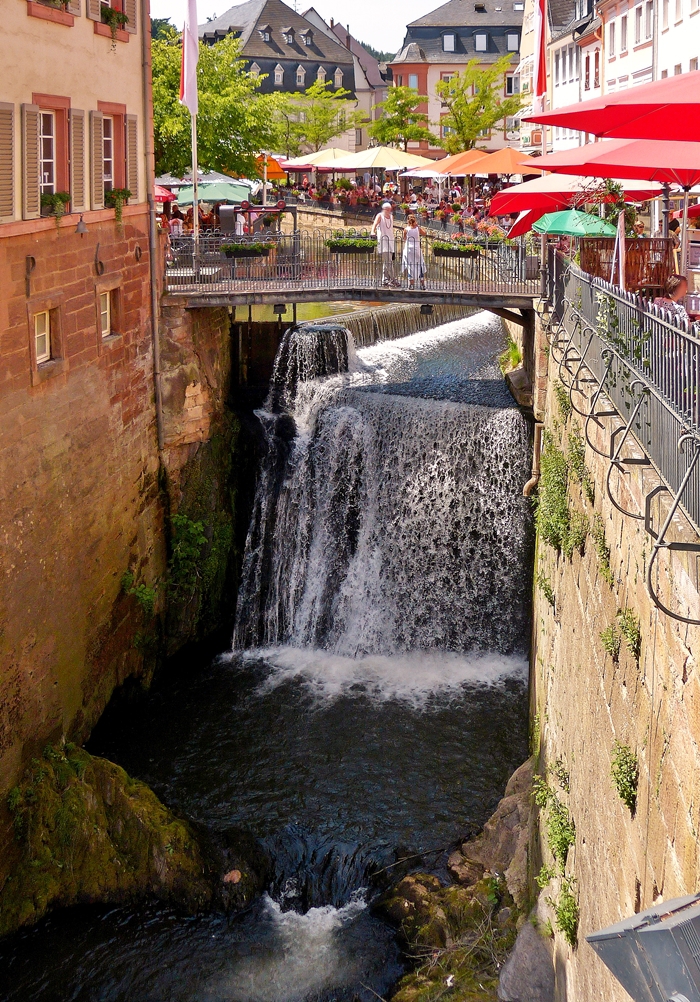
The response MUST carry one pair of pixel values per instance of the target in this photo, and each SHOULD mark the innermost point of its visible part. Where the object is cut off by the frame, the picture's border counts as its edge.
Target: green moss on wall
(85, 831)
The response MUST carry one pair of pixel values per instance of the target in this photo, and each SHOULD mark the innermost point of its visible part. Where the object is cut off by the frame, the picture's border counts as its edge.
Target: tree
(400, 123)
(379, 54)
(162, 28)
(314, 117)
(474, 103)
(234, 122)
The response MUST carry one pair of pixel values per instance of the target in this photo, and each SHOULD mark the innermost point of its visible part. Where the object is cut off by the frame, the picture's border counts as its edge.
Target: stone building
(79, 500)
(441, 43)
(283, 46)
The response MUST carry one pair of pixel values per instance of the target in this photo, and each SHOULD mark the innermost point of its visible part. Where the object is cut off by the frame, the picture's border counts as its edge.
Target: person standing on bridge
(383, 226)
(412, 259)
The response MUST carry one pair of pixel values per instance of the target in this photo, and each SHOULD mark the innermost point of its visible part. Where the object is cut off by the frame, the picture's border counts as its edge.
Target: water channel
(374, 703)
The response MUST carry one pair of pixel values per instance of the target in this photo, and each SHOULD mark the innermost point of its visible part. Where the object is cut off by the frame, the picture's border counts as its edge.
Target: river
(375, 701)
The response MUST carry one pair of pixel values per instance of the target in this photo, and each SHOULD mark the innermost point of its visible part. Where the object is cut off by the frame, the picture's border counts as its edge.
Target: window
(448, 43)
(664, 14)
(308, 37)
(480, 41)
(42, 336)
(265, 32)
(255, 69)
(587, 72)
(338, 78)
(108, 152)
(563, 65)
(511, 84)
(623, 33)
(413, 81)
(301, 76)
(105, 314)
(677, 70)
(279, 75)
(649, 19)
(47, 147)
(679, 10)
(445, 131)
(557, 61)
(572, 64)
(664, 74)
(693, 65)
(611, 38)
(321, 75)
(596, 75)
(518, 6)
(288, 36)
(513, 41)
(399, 81)
(358, 137)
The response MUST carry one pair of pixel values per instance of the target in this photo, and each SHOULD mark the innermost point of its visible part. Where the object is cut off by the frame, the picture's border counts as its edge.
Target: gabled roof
(367, 61)
(249, 18)
(464, 13)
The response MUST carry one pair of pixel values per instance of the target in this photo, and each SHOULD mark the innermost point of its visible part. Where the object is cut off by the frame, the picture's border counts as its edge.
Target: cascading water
(375, 702)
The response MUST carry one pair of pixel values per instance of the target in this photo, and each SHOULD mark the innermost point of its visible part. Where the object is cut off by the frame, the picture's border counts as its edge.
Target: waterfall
(389, 514)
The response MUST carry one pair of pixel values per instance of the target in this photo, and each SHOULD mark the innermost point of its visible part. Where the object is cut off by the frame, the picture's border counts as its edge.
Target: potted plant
(246, 249)
(350, 243)
(116, 19)
(54, 204)
(116, 198)
(456, 218)
(455, 248)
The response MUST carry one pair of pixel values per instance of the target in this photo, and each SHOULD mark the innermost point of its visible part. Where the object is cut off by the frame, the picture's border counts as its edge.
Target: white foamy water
(299, 957)
(415, 678)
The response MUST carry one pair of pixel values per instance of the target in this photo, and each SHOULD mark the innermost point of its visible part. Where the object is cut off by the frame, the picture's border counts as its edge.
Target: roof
(366, 60)
(561, 14)
(248, 18)
(430, 50)
(468, 13)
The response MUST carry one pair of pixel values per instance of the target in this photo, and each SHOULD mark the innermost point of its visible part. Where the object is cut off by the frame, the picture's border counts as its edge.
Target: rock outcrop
(85, 831)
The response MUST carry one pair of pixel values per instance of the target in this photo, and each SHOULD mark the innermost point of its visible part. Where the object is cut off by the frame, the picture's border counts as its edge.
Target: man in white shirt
(383, 226)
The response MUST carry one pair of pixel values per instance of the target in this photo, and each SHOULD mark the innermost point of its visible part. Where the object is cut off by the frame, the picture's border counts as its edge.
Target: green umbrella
(215, 191)
(573, 223)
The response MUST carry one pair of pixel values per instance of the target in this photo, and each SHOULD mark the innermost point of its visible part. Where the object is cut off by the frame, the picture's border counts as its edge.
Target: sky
(383, 25)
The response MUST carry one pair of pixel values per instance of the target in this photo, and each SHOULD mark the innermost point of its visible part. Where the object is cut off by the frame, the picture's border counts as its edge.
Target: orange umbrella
(460, 164)
(274, 171)
(508, 161)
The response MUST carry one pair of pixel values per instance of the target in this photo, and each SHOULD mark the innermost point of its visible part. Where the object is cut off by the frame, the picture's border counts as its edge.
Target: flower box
(352, 246)
(246, 250)
(456, 251)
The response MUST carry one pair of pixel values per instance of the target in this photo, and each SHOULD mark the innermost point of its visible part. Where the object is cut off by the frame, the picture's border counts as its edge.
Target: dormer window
(480, 8)
(518, 6)
(301, 76)
(448, 42)
(480, 41)
(279, 75)
(265, 32)
(288, 36)
(307, 36)
(321, 75)
(513, 42)
(255, 69)
(338, 77)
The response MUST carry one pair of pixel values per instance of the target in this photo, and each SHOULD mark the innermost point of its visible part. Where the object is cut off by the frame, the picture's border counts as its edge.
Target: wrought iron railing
(615, 348)
(305, 261)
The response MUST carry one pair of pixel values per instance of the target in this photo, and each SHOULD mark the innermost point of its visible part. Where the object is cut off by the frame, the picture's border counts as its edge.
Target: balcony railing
(304, 261)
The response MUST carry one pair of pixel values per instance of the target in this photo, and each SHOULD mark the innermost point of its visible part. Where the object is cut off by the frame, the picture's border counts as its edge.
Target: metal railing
(304, 261)
(647, 365)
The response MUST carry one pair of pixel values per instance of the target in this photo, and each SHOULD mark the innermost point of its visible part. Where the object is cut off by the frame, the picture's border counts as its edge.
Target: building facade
(288, 51)
(79, 502)
(440, 44)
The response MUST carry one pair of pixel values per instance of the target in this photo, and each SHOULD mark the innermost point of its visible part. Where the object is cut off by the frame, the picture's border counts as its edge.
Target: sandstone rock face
(528, 974)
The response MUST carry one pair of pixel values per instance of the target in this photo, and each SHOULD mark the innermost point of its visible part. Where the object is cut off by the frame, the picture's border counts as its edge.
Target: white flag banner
(540, 56)
(190, 56)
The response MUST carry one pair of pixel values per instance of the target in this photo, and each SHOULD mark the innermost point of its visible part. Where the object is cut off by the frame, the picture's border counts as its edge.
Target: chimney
(331, 24)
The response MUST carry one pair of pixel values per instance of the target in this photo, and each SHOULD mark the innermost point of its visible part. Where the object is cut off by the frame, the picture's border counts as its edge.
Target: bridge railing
(303, 260)
(647, 364)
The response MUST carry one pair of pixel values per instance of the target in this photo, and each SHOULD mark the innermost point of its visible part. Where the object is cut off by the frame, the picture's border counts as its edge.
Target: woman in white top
(412, 259)
(383, 227)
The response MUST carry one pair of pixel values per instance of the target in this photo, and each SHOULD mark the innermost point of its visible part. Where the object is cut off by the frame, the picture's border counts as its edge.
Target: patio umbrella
(215, 191)
(646, 159)
(321, 158)
(558, 191)
(572, 223)
(693, 212)
(523, 224)
(161, 194)
(381, 158)
(509, 161)
(663, 109)
(460, 164)
(274, 171)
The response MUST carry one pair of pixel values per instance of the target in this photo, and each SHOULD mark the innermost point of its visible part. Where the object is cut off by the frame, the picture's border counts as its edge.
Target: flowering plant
(456, 218)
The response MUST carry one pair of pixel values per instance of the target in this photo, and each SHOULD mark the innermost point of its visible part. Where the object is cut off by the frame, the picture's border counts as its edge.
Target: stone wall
(79, 498)
(584, 699)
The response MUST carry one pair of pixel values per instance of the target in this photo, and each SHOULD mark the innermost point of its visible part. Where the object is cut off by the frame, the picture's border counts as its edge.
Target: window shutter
(31, 197)
(94, 10)
(130, 11)
(74, 7)
(7, 162)
(132, 161)
(78, 201)
(97, 183)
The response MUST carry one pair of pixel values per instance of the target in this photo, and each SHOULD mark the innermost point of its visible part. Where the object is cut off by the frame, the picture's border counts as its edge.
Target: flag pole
(189, 98)
(195, 187)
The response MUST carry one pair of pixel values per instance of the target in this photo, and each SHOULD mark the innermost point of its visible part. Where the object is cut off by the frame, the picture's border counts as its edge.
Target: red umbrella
(524, 222)
(558, 191)
(162, 194)
(693, 211)
(664, 109)
(646, 159)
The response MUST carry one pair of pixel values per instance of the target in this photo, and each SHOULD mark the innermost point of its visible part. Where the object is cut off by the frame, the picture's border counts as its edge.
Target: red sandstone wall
(79, 500)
